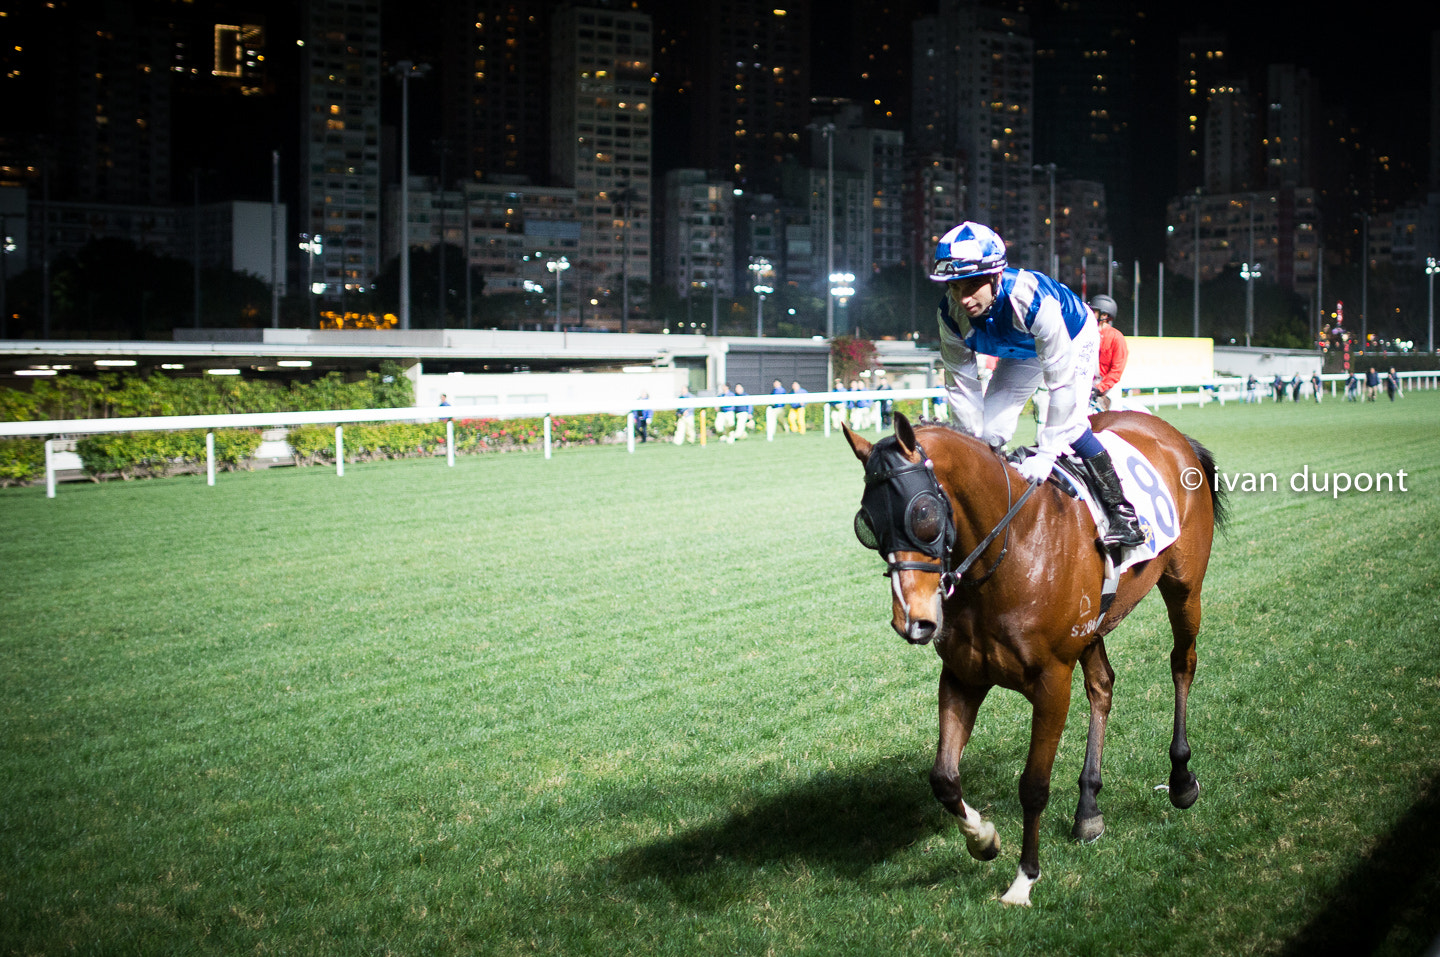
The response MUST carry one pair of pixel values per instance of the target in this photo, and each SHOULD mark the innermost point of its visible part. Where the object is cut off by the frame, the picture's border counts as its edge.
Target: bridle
(909, 489)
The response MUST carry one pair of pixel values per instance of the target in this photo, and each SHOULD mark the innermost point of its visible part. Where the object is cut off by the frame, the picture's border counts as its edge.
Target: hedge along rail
(1219, 389)
(72, 427)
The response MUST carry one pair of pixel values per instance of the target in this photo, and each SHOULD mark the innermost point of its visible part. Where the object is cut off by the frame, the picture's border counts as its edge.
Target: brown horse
(1026, 605)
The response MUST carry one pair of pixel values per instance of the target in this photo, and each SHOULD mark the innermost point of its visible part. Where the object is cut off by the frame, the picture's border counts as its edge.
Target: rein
(1004, 526)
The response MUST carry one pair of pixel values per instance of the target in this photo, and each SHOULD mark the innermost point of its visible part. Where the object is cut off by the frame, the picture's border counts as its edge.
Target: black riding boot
(1124, 528)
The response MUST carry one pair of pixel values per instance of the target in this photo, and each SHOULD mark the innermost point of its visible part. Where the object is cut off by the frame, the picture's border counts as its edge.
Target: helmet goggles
(967, 251)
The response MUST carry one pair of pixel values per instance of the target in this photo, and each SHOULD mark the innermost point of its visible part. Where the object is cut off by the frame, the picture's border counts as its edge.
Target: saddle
(1069, 474)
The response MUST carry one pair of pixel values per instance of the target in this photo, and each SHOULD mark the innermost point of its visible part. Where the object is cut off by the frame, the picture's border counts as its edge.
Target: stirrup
(1124, 532)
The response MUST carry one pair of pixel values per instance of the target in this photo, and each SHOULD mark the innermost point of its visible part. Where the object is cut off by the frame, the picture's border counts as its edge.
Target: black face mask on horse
(904, 509)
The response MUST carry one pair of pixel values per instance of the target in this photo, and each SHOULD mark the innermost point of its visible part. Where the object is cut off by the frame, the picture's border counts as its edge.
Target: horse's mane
(951, 432)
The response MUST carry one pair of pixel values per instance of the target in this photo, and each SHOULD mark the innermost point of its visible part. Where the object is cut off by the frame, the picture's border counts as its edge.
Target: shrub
(109, 395)
(21, 461)
(367, 441)
(312, 444)
(153, 454)
(233, 447)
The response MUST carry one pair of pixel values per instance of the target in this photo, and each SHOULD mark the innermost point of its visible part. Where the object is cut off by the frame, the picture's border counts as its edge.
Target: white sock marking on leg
(1019, 893)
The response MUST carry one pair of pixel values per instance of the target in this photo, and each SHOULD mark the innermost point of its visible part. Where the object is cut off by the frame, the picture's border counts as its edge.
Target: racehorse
(1026, 604)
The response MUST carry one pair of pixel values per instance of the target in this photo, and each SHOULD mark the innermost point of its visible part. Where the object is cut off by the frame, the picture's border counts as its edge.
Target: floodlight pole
(405, 69)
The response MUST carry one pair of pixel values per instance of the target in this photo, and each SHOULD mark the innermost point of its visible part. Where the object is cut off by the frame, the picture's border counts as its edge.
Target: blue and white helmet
(968, 250)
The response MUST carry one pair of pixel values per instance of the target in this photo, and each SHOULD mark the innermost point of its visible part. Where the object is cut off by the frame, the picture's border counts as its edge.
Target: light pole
(558, 267)
(195, 176)
(842, 287)
(1250, 271)
(1365, 281)
(1050, 265)
(625, 196)
(760, 267)
(406, 69)
(311, 245)
(8, 246)
(275, 239)
(1195, 303)
(1432, 266)
(827, 130)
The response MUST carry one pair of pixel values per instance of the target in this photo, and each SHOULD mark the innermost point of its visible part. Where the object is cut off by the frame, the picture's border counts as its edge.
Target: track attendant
(1039, 331)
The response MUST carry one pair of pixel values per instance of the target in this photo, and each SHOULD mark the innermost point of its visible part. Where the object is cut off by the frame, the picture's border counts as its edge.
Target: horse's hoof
(1183, 797)
(984, 847)
(1089, 830)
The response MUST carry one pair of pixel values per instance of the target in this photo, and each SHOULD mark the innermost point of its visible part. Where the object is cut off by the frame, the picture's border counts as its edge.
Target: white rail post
(210, 458)
(547, 435)
(825, 414)
(450, 444)
(339, 451)
(49, 468)
(630, 431)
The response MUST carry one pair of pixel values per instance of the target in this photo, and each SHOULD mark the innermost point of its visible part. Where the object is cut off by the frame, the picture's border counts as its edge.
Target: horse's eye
(926, 519)
(864, 531)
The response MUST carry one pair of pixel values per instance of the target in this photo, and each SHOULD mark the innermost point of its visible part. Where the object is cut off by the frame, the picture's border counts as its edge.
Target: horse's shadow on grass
(1390, 901)
(841, 823)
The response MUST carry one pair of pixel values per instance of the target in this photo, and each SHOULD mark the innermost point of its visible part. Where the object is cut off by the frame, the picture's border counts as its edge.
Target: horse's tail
(1218, 504)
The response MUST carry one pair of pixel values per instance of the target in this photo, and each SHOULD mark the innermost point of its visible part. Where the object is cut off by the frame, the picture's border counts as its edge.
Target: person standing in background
(795, 415)
(1114, 354)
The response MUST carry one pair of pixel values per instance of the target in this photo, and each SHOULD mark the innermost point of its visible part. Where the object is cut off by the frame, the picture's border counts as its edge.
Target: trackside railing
(1218, 390)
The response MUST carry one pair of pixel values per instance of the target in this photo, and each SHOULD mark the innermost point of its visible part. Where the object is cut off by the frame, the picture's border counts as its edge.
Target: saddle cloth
(1154, 503)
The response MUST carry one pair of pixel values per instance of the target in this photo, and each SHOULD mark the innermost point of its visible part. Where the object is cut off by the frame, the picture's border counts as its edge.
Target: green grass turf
(651, 704)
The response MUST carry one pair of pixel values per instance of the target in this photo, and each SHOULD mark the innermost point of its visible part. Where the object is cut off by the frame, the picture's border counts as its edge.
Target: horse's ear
(904, 433)
(858, 443)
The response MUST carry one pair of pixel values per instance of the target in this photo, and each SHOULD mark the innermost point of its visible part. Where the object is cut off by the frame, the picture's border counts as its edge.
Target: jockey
(1041, 332)
(1114, 353)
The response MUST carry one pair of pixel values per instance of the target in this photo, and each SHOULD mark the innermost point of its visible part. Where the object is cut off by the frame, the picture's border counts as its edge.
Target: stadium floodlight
(558, 267)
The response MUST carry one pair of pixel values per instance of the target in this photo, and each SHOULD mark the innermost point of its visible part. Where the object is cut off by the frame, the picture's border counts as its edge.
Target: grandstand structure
(471, 363)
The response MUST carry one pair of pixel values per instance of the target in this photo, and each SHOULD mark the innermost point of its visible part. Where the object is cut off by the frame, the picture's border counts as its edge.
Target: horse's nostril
(921, 629)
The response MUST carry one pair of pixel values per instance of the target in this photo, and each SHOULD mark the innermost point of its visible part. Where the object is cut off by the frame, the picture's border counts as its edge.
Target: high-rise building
(1202, 67)
(838, 235)
(748, 74)
(110, 108)
(973, 95)
(496, 86)
(340, 196)
(934, 202)
(1291, 111)
(511, 230)
(1275, 229)
(1232, 141)
(699, 234)
(1082, 233)
(876, 157)
(862, 52)
(1435, 111)
(600, 137)
(1086, 107)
